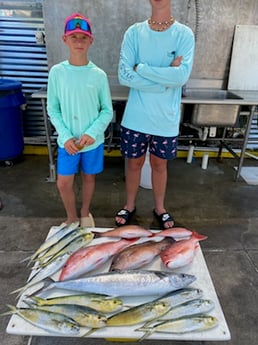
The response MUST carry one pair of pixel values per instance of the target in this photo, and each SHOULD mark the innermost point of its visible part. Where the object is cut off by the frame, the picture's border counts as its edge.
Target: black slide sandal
(126, 215)
(163, 218)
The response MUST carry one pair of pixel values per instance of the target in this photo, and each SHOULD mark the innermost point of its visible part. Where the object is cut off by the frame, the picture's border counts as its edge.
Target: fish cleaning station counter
(212, 108)
(201, 282)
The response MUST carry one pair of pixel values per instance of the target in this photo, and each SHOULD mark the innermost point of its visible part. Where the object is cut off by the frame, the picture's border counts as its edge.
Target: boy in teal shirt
(80, 108)
(156, 59)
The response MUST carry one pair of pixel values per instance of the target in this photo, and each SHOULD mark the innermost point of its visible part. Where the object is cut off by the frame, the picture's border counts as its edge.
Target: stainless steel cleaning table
(120, 93)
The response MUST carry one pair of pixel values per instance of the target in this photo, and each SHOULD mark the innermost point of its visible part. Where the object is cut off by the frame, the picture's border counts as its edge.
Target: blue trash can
(11, 129)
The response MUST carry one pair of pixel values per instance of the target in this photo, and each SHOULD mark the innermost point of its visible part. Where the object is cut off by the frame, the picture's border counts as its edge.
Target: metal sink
(219, 114)
(212, 94)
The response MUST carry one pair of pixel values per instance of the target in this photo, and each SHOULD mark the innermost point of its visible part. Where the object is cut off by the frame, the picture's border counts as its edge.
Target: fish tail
(96, 234)
(28, 258)
(147, 333)
(132, 240)
(20, 290)
(46, 286)
(92, 330)
(11, 311)
(198, 236)
(36, 300)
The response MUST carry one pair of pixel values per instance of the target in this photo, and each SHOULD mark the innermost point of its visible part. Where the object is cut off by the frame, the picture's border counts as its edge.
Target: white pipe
(190, 154)
(205, 159)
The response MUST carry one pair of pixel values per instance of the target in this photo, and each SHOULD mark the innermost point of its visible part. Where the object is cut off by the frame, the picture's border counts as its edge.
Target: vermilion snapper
(177, 233)
(92, 257)
(139, 255)
(125, 231)
(181, 253)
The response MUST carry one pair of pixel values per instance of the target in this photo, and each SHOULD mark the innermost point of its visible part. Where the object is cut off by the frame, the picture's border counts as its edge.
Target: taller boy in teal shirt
(156, 59)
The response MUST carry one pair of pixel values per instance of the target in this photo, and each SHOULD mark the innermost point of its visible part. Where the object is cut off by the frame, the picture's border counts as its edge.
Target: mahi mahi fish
(139, 255)
(126, 283)
(82, 315)
(102, 303)
(49, 321)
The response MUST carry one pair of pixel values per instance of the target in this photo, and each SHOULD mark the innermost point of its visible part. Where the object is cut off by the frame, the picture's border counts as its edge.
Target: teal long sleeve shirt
(79, 102)
(154, 99)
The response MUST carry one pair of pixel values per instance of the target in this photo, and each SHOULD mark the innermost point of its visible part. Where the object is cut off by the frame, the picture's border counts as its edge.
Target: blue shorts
(90, 162)
(134, 144)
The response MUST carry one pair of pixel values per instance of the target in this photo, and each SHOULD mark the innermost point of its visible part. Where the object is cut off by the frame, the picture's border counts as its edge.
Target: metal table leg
(52, 167)
(29, 340)
(242, 155)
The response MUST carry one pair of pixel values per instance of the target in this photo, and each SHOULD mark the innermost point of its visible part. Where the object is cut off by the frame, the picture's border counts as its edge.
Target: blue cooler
(11, 129)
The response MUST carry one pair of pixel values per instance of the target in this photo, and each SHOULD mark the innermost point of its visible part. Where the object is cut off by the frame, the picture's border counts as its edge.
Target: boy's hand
(177, 61)
(85, 140)
(71, 147)
(74, 145)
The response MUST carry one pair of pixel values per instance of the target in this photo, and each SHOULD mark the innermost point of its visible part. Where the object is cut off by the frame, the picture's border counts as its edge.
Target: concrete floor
(209, 201)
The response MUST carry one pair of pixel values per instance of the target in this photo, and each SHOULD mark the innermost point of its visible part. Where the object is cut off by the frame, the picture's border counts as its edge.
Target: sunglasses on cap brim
(77, 23)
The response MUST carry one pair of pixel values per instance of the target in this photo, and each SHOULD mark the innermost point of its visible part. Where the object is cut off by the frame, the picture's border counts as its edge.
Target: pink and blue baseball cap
(77, 23)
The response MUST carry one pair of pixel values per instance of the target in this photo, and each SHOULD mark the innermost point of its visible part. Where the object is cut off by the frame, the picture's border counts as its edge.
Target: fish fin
(147, 333)
(33, 302)
(20, 290)
(92, 330)
(96, 234)
(11, 311)
(28, 258)
(198, 236)
(46, 286)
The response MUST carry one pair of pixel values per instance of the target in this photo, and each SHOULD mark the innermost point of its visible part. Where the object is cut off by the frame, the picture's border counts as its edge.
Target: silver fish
(127, 283)
(139, 255)
(54, 249)
(194, 307)
(181, 296)
(45, 272)
(181, 325)
(55, 238)
(77, 243)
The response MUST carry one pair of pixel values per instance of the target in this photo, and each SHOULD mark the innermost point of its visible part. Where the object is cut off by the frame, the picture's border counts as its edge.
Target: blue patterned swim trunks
(134, 144)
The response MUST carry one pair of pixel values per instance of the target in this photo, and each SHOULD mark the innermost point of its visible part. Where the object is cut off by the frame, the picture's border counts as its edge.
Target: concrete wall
(214, 29)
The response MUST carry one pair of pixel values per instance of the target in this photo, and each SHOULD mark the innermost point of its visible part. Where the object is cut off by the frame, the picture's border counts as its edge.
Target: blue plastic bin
(11, 129)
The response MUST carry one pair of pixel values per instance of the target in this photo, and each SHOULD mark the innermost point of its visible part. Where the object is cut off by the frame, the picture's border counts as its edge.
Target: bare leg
(65, 187)
(133, 176)
(159, 184)
(88, 187)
